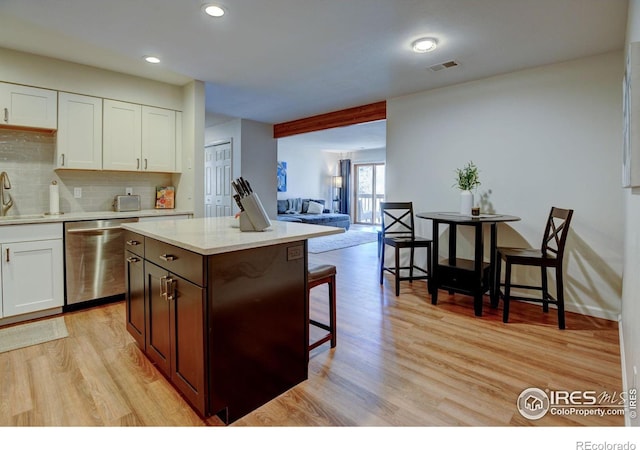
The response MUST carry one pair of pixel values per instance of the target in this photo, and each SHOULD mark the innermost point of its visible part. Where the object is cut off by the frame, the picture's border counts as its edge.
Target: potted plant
(467, 179)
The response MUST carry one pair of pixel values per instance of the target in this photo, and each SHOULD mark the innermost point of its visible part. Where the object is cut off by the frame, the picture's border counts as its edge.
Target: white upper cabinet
(79, 137)
(29, 107)
(122, 136)
(158, 139)
(138, 138)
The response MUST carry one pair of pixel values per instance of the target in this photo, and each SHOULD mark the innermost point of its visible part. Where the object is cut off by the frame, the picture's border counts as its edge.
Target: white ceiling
(280, 60)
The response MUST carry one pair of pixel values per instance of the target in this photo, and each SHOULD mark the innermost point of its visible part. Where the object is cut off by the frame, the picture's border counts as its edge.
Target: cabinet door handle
(133, 242)
(132, 259)
(6, 115)
(137, 163)
(166, 257)
(163, 287)
(63, 160)
(8, 259)
(171, 286)
(145, 164)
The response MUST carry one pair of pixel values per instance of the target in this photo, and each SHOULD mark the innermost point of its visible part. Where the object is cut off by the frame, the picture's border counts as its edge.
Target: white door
(32, 276)
(217, 166)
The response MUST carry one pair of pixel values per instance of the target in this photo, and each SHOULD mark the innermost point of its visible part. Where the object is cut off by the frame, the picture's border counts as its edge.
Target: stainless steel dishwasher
(94, 261)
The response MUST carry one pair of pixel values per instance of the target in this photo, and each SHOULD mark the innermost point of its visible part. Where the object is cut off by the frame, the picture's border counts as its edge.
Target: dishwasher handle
(93, 230)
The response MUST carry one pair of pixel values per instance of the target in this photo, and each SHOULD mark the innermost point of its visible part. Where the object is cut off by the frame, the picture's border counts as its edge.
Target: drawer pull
(133, 243)
(132, 259)
(7, 255)
(166, 257)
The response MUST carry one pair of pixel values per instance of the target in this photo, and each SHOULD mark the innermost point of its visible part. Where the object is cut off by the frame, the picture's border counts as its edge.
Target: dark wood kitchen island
(221, 313)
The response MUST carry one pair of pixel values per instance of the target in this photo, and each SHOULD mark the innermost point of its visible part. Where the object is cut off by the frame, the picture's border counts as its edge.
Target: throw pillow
(295, 204)
(282, 206)
(315, 208)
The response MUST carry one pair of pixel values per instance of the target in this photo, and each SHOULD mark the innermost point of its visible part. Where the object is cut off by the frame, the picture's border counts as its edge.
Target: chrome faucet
(5, 184)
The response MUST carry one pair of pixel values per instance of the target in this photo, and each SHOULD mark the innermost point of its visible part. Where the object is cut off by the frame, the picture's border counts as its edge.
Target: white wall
(375, 155)
(309, 173)
(254, 154)
(40, 71)
(190, 183)
(630, 335)
(549, 136)
(259, 162)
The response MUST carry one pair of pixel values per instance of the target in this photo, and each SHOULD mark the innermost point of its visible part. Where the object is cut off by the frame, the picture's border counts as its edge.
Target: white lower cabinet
(32, 268)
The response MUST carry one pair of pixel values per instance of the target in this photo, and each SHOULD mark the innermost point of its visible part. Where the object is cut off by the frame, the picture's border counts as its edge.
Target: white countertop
(95, 215)
(216, 235)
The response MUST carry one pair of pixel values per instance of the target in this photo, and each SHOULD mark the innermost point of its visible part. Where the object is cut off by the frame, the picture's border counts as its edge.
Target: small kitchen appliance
(126, 203)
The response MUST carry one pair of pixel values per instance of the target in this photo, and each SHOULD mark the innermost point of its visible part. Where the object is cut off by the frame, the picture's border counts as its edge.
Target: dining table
(474, 276)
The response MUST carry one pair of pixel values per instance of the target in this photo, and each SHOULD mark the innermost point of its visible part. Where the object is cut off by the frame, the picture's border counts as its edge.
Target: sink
(22, 217)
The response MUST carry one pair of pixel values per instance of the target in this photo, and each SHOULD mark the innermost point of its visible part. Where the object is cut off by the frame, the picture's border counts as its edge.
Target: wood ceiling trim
(350, 116)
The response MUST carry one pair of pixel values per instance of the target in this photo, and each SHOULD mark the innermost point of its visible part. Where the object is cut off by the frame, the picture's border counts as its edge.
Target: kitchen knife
(244, 185)
(237, 188)
(248, 186)
(237, 199)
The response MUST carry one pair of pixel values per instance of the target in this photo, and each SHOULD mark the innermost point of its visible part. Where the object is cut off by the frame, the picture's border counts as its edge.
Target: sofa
(306, 210)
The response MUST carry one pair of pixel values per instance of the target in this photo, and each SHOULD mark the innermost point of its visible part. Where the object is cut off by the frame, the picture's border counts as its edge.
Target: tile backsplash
(28, 158)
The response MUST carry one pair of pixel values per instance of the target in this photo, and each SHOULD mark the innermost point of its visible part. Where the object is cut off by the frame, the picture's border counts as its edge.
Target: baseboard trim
(593, 311)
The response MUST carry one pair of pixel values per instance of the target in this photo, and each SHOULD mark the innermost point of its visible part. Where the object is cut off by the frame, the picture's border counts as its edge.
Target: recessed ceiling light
(424, 45)
(152, 59)
(213, 10)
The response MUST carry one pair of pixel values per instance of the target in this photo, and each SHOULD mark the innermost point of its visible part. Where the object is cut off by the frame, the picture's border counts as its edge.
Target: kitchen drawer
(182, 262)
(461, 276)
(134, 242)
(30, 232)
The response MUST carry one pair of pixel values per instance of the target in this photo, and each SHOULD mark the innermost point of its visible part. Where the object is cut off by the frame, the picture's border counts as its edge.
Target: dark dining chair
(548, 256)
(398, 231)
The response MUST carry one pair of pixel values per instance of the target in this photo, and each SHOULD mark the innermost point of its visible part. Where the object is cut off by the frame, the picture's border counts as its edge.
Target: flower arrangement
(467, 178)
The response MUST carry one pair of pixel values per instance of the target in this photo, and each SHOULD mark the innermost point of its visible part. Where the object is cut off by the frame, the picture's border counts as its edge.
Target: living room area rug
(32, 333)
(349, 238)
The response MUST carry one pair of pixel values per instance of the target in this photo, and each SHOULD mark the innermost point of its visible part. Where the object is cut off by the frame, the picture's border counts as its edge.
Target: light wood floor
(399, 362)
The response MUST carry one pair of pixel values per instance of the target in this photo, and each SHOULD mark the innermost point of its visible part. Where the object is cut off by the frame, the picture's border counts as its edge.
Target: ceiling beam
(342, 118)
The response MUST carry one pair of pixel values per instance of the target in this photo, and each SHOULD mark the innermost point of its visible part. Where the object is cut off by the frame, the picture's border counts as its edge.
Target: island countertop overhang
(215, 235)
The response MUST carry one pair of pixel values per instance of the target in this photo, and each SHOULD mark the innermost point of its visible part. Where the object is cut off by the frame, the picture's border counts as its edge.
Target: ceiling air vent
(444, 65)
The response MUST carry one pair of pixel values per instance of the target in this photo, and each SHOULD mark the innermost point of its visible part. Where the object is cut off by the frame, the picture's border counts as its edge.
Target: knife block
(254, 217)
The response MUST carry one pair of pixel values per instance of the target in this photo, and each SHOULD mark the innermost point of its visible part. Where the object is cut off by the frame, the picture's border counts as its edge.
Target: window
(369, 192)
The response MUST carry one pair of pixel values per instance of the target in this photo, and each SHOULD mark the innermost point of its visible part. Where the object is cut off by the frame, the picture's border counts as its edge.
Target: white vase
(466, 202)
